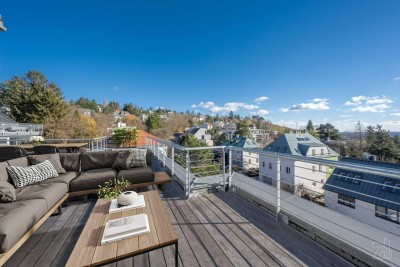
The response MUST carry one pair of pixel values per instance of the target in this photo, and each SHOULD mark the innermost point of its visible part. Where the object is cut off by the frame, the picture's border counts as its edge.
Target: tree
(153, 122)
(125, 137)
(86, 103)
(381, 144)
(202, 162)
(310, 127)
(32, 98)
(328, 132)
(231, 115)
(242, 129)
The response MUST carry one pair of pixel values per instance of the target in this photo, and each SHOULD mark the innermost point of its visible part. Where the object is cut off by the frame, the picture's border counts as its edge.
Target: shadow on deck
(220, 229)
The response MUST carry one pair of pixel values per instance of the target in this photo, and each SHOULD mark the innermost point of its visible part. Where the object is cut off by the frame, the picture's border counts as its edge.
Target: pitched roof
(242, 142)
(366, 187)
(5, 119)
(296, 144)
(142, 137)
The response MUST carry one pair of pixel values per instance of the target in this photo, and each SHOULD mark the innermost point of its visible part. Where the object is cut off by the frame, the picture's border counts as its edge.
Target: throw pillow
(123, 160)
(139, 158)
(7, 192)
(25, 176)
(53, 158)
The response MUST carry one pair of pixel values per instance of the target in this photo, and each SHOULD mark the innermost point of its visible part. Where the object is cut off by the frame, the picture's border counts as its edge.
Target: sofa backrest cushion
(7, 192)
(53, 158)
(97, 160)
(71, 162)
(19, 162)
(139, 157)
(123, 160)
(3, 172)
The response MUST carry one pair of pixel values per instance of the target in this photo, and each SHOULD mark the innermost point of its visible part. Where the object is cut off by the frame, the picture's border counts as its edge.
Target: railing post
(173, 163)
(187, 186)
(278, 189)
(230, 169)
(223, 168)
(164, 152)
(158, 152)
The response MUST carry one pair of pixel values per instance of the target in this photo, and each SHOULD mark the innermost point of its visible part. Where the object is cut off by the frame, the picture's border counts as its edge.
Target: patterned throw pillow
(25, 176)
(139, 158)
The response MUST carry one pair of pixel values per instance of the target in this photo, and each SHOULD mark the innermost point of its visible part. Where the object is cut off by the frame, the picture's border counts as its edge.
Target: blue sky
(289, 61)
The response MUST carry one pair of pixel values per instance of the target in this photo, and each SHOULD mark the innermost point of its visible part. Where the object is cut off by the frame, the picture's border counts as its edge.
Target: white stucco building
(201, 134)
(368, 198)
(296, 172)
(244, 159)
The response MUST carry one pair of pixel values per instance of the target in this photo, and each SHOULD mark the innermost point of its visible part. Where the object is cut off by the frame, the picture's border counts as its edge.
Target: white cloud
(346, 116)
(369, 104)
(284, 110)
(260, 99)
(396, 114)
(260, 112)
(315, 104)
(230, 106)
(397, 78)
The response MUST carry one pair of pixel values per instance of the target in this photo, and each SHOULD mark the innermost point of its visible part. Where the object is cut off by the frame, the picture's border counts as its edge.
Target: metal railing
(20, 129)
(291, 188)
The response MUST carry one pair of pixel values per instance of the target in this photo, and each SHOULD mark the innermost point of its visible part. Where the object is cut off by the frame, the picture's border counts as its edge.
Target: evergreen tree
(328, 132)
(310, 127)
(32, 98)
(202, 162)
(153, 122)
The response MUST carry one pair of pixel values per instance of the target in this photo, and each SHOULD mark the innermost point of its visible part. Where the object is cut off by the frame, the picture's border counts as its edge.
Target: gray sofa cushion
(97, 160)
(52, 193)
(92, 179)
(7, 192)
(137, 175)
(65, 178)
(123, 160)
(3, 172)
(19, 162)
(71, 162)
(16, 218)
(53, 158)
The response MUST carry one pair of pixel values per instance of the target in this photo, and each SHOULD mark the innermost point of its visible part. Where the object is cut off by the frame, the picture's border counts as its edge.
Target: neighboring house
(200, 134)
(244, 159)
(218, 124)
(119, 114)
(229, 129)
(206, 125)
(296, 172)
(121, 125)
(85, 111)
(163, 116)
(143, 117)
(258, 134)
(366, 197)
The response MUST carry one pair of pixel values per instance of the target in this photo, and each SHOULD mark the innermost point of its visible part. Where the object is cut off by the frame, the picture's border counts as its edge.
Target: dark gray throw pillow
(123, 160)
(53, 158)
(7, 192)
(139, 157)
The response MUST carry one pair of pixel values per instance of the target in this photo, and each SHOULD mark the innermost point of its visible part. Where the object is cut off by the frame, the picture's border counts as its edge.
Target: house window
(387, 214)
(347, 201)
(249, 161)
(322, 151)
(313, 152)
(313, 168)
(320, 168)
(288, 170)
(249, 153)
(256, 160)
(270, 166)
(263, 164)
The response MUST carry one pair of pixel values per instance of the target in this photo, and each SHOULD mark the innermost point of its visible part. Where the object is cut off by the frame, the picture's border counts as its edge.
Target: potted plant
(113, 188)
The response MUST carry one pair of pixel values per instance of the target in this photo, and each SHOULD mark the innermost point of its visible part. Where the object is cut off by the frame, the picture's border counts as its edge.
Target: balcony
(226, 213)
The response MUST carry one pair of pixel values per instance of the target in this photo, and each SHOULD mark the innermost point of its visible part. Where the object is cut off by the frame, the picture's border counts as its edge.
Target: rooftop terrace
(219, 229)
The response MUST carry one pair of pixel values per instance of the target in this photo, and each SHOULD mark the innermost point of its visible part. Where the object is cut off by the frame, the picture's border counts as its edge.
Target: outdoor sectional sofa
(35, 203)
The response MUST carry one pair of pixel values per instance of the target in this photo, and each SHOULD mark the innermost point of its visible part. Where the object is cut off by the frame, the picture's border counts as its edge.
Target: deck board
(218, 229)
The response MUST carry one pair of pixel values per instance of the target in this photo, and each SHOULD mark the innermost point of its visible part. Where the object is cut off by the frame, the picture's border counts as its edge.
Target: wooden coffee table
(89, 252)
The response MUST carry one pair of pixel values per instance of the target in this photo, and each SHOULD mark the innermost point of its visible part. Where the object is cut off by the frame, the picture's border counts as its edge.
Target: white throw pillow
(29, 175)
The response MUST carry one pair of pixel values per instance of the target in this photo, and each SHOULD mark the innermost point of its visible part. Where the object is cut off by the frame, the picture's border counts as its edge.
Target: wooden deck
(220, 229)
